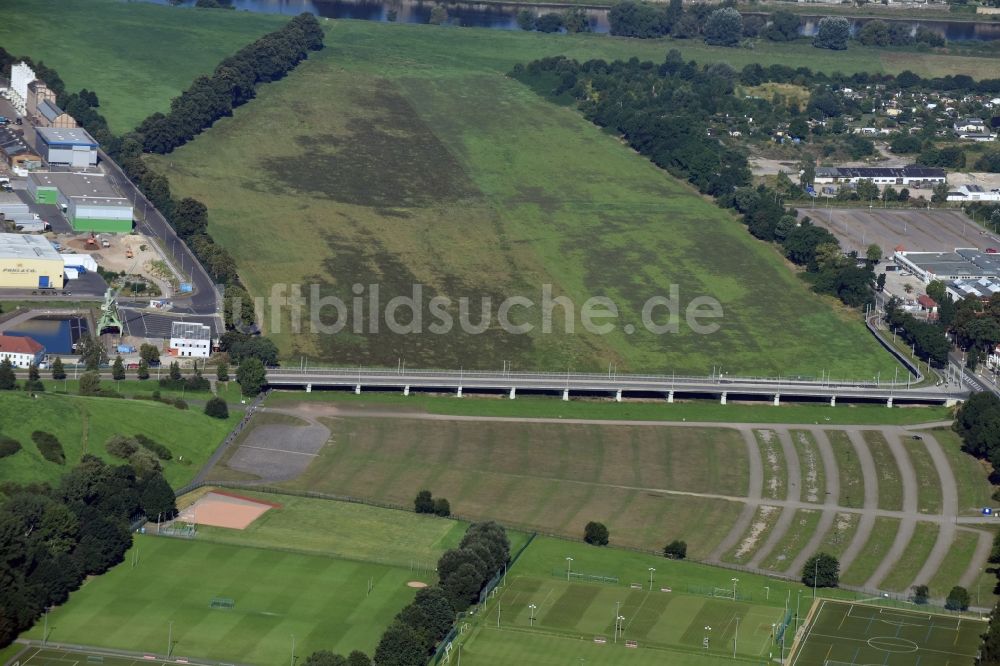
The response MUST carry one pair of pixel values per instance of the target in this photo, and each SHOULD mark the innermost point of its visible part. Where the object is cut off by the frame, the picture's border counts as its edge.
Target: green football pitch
(324, 602)
(52, 656)
(843, 634)
(550, 610)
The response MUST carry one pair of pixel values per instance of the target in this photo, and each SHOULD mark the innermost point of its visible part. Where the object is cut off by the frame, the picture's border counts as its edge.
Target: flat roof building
(29, 262)
(190, 339)
(91, 203)
(983, 288)
(911, 174)
(964, 264)
(63, 145)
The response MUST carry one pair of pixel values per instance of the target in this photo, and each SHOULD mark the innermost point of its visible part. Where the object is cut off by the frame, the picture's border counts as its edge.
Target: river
(503, 16)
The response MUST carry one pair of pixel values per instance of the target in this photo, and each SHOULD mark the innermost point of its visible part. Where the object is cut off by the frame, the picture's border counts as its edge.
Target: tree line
(53, 537)
(726, 26)
(416, 630)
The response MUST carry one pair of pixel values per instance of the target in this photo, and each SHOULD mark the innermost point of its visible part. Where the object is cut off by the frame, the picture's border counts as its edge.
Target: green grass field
(348, 530)
(908, 566)
(855, 634)
(773, 458)
(83, 425)
(874, 550)
(405, 156)
(136, 56)
(550, 477)
(955, 563)
(322, 601)
(890, 484)
(852, 486)
(756, 535)
(697, 410)
(58, 656)
(840, 534)
(974, 490)
(928, 481)
(788, 547)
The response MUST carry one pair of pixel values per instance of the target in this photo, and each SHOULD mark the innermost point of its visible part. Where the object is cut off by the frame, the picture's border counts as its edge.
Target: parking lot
(915, 230)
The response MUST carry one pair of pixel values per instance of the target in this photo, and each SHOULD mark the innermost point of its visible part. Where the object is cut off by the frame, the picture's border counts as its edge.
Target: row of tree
(928, 338)
(233, 83)
(421, 625)
(52, 538)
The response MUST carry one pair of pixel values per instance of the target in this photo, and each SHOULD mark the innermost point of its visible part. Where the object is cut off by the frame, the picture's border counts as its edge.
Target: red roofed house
(21, 351)
(928, 305)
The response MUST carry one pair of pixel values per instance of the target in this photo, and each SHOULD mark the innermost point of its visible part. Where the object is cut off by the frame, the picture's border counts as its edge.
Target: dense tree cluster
(463, 571)
(427, 503)
(233, 83)
(832, 32)
(51, 538)
(929, 339)
(596, 534)
(821, 570)
(989, 162)
(977, 422)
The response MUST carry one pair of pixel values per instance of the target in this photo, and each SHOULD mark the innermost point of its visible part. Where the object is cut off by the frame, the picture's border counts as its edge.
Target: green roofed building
(88, 200)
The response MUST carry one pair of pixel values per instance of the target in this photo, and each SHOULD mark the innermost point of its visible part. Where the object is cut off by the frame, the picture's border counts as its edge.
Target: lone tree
(958, 599)
(442, 507)
(217, 408)
(676, 550)
(149, 353)
(724, 27)
(222, 372)
(58, 371)
(8, 382)
(832, 33)
(595, 534)
(118, 369)
(143, 371)
(424, 502)
(251, 376)
(821, 570)
(921, 594)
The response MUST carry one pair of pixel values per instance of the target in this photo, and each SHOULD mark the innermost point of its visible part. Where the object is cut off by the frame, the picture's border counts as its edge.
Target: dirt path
(908, 523)
(793, 495)
(949, 507)
(979, 559)
(756, 487)
(829, 462)
(870, 505)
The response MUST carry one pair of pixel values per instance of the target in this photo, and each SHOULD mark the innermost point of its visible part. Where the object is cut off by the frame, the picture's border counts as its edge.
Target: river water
(503, 16)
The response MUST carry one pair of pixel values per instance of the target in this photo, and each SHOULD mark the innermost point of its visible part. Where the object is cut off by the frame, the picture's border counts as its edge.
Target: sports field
(551, 477)
(322, 601)
(58, 656)
(402, 155)
(839, 634)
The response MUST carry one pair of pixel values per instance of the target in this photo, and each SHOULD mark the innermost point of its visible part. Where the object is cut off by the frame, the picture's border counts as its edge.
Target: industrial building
(89, 201)
(29, 262)
(964, 264)
(909, 175)
(983, 288)
(973, 193)
(17, 153)
(190, 339)
(66, 146)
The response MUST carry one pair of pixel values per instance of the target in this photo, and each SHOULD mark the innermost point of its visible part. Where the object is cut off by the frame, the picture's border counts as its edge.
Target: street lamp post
(531, 619)
(170, 637)
(735, 580)
(651, 571)
(736, 635)
(569, 567)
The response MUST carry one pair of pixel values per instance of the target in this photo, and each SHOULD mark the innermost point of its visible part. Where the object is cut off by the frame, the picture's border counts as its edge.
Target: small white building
(190, 339)
(973, 193)
(22, 351)
(974, 129)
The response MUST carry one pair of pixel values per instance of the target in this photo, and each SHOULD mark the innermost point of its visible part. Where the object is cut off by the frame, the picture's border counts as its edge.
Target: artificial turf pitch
(840, 634)
(706, 626)
(57, 656)
(322, 601)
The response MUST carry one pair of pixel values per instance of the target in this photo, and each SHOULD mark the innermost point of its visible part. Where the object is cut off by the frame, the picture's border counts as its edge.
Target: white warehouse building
(190, 339)
(70, 146)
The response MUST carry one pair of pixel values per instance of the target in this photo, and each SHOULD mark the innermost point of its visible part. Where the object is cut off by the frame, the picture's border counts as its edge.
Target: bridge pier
(309, 388)
(950, 402)
(357, 389)
(833, 401)
(459, 394)
(406, 390)
(888, 403)
(565, 395)
(777, 399)
(618, 396)
(670, 397)
(512, 392)
(723, 400)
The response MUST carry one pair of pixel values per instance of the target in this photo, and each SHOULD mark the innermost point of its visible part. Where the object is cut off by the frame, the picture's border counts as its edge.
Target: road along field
(433, 169)
(766, 497)
(183, 588)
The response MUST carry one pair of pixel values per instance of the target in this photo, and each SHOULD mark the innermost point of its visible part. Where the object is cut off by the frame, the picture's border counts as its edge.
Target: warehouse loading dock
(89, 200)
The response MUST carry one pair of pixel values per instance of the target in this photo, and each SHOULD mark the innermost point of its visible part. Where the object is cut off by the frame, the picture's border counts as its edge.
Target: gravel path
(743, 522)
(949, 507)
(979, 559)
(908, 523)
(788, 514)
(829, 505)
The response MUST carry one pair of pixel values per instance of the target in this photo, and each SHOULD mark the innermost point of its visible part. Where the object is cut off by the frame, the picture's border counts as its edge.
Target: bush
(958, 599)
(161, 451)
(724, 27)
(596, 534)
(217, 408)
(424, 502)
(8, 446)
(821, 570)
(442, 507)
(832, 33)
(49, 447)
(920, 594)
(121, 446)
(90, 383)
(676, 550)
